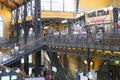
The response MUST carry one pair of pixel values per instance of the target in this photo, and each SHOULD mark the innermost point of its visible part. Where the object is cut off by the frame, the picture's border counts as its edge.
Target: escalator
(62, 74)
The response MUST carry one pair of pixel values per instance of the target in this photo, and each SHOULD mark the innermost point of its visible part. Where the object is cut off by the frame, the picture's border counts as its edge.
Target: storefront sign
(95, 20)
(98, 20)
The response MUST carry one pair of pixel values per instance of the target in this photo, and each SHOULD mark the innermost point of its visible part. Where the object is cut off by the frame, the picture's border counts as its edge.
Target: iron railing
(29, 48)
(108, 42)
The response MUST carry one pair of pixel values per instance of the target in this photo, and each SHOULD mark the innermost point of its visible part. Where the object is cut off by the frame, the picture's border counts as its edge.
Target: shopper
(48, 76)
(16, 48)
(99, 36)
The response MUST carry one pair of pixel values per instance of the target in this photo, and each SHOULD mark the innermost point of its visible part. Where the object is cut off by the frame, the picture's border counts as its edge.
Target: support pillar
(37, 19)
(26, 57)
(17, 27)
(37, 30)
(25, 24)
(51, 60)
(88, 60)
(37, 63)
(77, 6)
(26, 64)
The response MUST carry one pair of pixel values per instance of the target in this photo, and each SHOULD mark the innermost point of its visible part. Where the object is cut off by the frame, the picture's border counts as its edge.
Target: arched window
(1, 27)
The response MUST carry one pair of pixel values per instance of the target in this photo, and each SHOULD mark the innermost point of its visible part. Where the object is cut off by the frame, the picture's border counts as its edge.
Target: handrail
(24, 48)
(108, 42)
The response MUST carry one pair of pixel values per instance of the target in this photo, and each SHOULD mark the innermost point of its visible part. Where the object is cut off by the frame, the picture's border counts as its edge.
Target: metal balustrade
(109, 42)
(29, 48)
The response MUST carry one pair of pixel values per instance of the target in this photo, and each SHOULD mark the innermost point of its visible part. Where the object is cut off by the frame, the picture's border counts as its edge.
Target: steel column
(17, 27)
(25, 27)
(38, 63)
(37, 18)
(37, 28)
(88, 59)
(25, 23)
(77, 6)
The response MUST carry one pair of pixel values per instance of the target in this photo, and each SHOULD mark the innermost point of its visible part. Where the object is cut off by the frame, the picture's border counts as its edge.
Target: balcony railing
(107, 42)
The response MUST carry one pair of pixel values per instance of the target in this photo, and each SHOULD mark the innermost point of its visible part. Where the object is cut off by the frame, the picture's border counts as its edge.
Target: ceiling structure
(11, 3)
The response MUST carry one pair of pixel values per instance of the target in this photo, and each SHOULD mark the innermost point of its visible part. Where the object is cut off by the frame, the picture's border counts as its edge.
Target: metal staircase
(29, 48)
(62, 44)
(110, 42)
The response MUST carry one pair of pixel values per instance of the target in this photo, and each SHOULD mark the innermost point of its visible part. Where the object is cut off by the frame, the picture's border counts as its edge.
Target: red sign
(94, 20)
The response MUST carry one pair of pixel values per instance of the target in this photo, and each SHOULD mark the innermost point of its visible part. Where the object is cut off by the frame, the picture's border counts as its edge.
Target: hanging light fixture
(7, 70)
(85, 61)
(38, 19)
(110, 7)
(17, 70)
(64, 21)
(91, 63)
(81, 13)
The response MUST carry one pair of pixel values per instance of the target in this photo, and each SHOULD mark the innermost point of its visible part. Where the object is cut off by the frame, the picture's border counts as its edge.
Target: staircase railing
(29, 48)
(108, 42)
